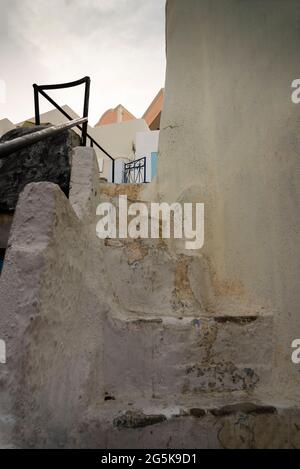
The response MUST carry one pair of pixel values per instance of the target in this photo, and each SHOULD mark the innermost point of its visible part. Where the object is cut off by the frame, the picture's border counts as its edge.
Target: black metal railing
(40, 90)
(135, 171)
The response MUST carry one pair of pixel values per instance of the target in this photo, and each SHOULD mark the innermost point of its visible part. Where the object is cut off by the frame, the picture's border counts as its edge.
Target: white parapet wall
(49, 285)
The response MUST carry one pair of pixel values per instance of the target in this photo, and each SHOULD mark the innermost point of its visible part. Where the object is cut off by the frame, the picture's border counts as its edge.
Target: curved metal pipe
(18, 143)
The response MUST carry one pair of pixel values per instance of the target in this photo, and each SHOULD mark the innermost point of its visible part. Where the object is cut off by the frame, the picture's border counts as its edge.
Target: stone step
(172, 337)
(193, 424)
(153, 281)
(161, 356)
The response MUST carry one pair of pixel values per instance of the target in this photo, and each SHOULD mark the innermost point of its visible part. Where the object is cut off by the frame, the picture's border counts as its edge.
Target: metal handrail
(19, 143)
(70, 84)
(39, 89)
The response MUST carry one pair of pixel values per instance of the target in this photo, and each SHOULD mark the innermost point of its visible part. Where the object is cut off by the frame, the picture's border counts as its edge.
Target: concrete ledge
(52, 300)
(84, 183)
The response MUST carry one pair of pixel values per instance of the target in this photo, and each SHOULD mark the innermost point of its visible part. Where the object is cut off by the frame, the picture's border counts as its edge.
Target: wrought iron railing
(40, 90)
(135, 171)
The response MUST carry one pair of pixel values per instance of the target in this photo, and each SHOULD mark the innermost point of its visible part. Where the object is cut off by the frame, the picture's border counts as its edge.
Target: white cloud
(118, 43)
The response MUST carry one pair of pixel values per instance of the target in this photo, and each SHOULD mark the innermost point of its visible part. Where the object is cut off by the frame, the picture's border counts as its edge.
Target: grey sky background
(120, 44)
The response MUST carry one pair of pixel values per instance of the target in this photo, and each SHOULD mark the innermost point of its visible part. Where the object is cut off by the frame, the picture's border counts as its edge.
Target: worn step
(186, 356)
(152, 281)
(191, 424)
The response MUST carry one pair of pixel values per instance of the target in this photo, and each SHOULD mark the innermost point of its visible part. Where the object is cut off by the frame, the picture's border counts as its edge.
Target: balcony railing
(135, 171)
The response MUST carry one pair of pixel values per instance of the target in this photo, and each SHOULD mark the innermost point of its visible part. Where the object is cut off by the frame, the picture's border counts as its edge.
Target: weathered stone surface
(47, 160)
(223, 376)
(243, 408)
(91, 373)
(243, 425)
(113, 190)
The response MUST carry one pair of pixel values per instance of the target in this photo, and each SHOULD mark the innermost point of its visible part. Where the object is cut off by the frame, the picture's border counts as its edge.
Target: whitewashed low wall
(52, 304)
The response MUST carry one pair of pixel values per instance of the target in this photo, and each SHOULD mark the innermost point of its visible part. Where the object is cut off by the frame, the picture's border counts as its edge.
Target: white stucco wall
(5, 126)
(146, 143)
(119, 139)
(231, 139)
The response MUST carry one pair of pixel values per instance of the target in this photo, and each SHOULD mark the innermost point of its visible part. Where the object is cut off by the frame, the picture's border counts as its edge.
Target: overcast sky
(120, 44)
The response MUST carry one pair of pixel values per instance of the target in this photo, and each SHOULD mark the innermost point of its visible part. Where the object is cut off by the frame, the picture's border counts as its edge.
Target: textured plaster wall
(52, 304)
(230, 138)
